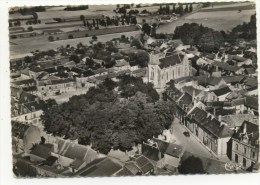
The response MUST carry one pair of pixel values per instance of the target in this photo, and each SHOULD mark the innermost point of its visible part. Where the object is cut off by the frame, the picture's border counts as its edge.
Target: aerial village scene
(134, 89)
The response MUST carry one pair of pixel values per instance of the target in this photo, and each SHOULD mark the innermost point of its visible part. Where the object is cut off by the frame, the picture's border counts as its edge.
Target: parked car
(187, 134)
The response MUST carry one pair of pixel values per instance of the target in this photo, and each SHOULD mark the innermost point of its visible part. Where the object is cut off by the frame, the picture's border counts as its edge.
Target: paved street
(189, 143)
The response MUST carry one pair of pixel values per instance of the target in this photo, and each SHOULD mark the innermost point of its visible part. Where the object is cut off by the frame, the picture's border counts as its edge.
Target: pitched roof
(101, 167)
(171, 60)
(131, 166)
(44, 73)
(162, 145)
(151, 152)
(50, 160)
(251, 82)
(26, 81)
(252, 102)
(237, 119)
(252, 133)
(226, 66)
(125, 172)
(190, 89)
(250, 70)
(25, 71)
(185, 100)
(210, 123)
(205, 80)
(173, 92)
(221, 91)
(144, 164)
(42, 150)
(75, 151)
(76, 163)
(36, 69)
(233, 79)
(174, 150)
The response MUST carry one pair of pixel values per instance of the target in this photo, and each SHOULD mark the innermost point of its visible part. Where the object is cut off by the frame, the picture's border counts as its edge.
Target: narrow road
(190, 144)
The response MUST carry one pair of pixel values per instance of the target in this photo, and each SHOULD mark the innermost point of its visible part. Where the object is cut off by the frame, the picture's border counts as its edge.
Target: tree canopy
(191, 165)
(194, 34)
(111, 115)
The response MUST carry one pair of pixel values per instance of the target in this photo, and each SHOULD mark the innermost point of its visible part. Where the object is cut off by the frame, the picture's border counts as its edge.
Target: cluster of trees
(108, 53)
(150, 30)
(175, 9)
(102, 119)
(33, 21)
(16, 23)
(206, 39)
(107, 21)
(38, 55)
(243, 31)
(31, 10)
(75, 8)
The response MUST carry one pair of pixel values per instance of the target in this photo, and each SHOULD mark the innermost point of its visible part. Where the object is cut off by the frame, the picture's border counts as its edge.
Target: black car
(187, 134)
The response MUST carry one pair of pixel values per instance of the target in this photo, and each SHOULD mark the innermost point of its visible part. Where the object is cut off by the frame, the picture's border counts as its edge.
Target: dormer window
(33, 108)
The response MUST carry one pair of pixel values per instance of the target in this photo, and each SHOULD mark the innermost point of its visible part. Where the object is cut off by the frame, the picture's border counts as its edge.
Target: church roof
(171, 60)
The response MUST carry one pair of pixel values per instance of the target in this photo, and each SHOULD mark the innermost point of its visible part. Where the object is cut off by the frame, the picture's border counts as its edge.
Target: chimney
(220, 118)
(139, 148)
(193, 94)
(244, 128)
(216, 68)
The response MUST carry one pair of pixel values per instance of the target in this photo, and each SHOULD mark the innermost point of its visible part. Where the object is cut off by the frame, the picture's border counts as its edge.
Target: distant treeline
(75, 8)
(31, 10)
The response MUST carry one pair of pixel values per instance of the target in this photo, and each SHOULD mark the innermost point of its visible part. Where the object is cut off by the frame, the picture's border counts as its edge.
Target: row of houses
(218, 133)
(63, 158)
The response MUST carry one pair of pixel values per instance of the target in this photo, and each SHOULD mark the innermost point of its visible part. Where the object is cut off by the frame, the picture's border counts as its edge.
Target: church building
(162, 69)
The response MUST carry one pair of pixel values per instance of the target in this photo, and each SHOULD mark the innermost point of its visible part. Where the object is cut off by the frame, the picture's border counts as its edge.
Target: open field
(26, 45)
(235, 8)
(219, 20)
(227, 6)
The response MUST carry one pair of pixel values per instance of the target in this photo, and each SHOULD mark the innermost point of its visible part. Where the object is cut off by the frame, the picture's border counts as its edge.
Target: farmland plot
(219, 20)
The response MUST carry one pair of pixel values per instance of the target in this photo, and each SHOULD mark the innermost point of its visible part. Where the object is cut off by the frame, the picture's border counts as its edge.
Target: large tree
(191, 165)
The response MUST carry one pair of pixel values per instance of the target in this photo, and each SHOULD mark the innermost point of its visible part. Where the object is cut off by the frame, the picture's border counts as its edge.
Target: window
(245, 150)
(42, 89)
(253, 154)
(236, 146)
(152, 75)
(167, 76)
(236, 158)
(244, 162)
(173, 73)
(49, 87)
(34, 115)
(25, 117)
(179, 71)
